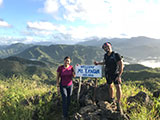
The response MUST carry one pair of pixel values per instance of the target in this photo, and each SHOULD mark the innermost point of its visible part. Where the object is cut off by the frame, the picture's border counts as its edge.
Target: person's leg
(69, 93)
(119, 96)
(63, 91)
(110, 87)
(118, 92)
(111, 91)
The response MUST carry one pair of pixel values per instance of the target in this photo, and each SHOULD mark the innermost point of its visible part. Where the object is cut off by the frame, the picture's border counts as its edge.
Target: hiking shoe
(111, 100)
(119, 108)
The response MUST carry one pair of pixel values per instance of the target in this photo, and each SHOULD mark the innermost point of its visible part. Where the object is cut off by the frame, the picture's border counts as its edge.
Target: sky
(71, 21)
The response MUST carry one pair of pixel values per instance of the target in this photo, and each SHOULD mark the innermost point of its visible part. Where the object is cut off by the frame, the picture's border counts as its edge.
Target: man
(113, 71)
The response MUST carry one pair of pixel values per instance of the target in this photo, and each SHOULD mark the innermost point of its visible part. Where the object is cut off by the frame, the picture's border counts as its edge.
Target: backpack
(111, 63)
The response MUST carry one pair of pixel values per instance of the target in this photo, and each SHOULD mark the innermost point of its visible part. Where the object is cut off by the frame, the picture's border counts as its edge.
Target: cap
(106, 44)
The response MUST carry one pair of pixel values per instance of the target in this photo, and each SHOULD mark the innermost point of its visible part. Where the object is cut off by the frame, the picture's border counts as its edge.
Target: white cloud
(41, 25)
(113, 18)
(7, 40)
(4, 24)
(93, 11)
(51, 6)
(37, 33)
(142, 18)
(1, 1)
(44, 29)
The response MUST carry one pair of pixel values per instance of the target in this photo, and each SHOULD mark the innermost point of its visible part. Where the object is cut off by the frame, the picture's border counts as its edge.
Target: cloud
(142, 18)
(41, 25)
(37, 33)
(60, 38)
(48, 29)
(4, 23)
(130, 17)
(1, 1)
(45, 26)
(7, 40)
(51, 6)
(91, 10)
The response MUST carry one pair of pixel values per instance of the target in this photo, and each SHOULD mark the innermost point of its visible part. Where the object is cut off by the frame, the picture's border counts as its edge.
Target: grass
(18, 98)
(16, 90)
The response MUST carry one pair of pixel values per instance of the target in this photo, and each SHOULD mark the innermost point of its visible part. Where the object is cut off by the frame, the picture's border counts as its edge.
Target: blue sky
(71, 21)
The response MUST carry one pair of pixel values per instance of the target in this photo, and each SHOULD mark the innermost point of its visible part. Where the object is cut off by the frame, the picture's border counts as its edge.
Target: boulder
(156, 93)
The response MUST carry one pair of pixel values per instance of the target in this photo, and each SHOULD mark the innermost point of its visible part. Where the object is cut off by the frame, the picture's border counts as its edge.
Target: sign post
(79, 89)
(87, 71)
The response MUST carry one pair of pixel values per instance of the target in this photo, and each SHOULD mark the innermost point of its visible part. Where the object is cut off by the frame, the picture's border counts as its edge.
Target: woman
(65, 73)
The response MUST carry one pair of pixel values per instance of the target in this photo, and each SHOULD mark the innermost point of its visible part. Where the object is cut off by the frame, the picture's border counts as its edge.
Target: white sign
(88, 71)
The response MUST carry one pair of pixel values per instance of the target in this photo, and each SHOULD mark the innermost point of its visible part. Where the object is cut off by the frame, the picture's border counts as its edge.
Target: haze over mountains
(136, 47)
(132, 49)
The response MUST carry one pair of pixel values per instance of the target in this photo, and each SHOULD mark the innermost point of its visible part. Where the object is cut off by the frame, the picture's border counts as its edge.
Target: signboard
(88, 71)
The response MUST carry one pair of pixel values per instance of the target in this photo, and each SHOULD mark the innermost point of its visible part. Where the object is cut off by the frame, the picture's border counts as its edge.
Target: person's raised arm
(98, 63)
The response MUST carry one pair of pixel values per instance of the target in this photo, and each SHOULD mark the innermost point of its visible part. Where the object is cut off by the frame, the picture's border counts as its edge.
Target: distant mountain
(9, 50)
(135, 67)
(18, 66)
(54, 54)
(2, 47)
(135, 47)
(25, 61)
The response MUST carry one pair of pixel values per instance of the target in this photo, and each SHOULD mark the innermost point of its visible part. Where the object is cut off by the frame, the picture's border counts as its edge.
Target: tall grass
(14, 98)
(135, 110)
(27, 99)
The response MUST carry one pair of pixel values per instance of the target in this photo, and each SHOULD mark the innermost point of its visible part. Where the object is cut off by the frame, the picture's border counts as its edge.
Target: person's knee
(110, 86)
(118, 87)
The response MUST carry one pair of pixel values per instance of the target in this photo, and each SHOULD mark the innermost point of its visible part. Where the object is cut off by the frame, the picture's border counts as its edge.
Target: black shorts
(111, 78)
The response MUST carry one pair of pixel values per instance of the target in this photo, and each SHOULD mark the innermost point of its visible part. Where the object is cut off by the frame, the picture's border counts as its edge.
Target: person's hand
(58, 90)
(119, 79)
(95, 63)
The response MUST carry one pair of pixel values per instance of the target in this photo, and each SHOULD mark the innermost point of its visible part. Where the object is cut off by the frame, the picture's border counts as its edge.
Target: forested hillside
(15, 66)
(55, 54)
(6, 51)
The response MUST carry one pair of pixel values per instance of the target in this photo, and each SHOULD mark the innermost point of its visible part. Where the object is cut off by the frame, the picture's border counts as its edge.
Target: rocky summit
(94, 105)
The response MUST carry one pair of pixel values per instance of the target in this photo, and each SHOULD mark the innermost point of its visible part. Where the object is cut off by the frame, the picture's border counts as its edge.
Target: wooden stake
(95, 89)
(79, 89)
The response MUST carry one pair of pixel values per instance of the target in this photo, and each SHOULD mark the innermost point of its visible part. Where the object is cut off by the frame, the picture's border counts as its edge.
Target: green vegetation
(27, 68)
(27, 88)
(135, 110)
(54, 54)
(18, 101)
(28, 98)
(13, 49)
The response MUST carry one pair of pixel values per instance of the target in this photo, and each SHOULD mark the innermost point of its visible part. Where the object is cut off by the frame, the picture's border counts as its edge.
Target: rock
(87, 109)
(156, 93)
(94, 105)
(141, 97)
(102, 93)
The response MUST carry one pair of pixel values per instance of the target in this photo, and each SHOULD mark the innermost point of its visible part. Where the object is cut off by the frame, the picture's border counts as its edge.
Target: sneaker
(111, 100)
(119, 108)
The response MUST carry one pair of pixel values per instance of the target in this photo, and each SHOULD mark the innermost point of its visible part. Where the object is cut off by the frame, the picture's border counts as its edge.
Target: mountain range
(9, 50)
(19, 66)
(132, 49)
(135, 47)
(54, 54)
